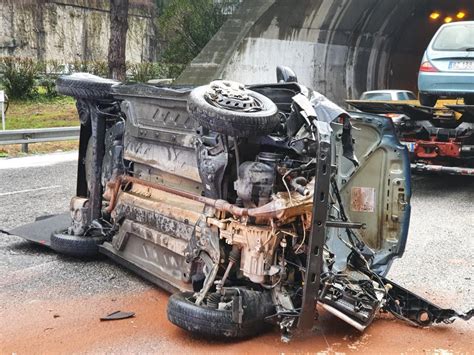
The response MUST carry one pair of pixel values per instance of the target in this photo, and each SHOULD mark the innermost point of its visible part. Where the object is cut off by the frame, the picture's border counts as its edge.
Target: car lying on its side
(447, 67)
(250, 204)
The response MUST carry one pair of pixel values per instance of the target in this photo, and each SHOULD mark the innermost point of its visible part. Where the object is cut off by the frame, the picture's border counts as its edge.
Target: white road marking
(29, 190)
(37, 160)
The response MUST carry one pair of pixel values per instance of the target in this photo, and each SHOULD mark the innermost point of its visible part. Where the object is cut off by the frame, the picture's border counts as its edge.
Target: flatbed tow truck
(439, 139)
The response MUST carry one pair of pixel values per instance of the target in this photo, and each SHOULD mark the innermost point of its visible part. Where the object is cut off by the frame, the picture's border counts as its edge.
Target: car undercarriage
(251, 204)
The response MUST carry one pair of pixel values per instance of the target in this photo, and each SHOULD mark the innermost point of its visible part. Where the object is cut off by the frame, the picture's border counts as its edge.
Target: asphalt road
(51, 303)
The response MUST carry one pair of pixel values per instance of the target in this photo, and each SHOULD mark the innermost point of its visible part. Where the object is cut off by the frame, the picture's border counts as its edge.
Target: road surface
(52, 304)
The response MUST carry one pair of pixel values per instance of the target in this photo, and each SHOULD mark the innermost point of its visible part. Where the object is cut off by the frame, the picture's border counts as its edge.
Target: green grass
(42, 112)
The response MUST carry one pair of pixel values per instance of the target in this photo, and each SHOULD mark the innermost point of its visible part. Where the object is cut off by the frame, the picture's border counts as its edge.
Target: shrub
(97, 67)
(22, 76)
(19, 76)
(174, 70)
(49, 72)
(143, 72)
(187, 26)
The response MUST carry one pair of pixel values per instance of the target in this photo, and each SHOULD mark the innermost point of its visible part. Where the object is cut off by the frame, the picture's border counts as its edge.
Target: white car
(447, 67)
(388, 95)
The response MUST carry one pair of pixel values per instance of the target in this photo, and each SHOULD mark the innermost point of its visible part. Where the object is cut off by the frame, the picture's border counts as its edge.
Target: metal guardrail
(38, 135)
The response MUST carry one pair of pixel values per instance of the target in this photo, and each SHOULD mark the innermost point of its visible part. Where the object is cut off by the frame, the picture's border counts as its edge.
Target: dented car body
(251, 204)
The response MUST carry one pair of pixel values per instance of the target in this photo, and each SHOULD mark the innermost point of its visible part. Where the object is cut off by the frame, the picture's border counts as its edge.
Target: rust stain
(32, 328)
(283, 207)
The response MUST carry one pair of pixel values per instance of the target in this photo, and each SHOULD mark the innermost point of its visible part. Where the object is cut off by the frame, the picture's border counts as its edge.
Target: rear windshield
(406, 95)
(377, 96)
(459, 37)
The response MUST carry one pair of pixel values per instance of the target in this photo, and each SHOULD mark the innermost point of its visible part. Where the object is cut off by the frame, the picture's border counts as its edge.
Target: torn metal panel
(179, 161)
(40, 231)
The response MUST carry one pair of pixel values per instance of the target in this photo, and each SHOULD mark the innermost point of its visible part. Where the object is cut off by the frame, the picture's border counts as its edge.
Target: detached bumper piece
(342, 301)
(440, 169)
(410, 307)
(345, 302)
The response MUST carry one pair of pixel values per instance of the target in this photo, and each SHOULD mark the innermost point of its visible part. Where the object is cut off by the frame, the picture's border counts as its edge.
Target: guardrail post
(24, 148)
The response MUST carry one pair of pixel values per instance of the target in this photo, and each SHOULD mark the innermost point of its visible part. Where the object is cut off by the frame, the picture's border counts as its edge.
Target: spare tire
(85, 86)
(230, 118)
(217, 323)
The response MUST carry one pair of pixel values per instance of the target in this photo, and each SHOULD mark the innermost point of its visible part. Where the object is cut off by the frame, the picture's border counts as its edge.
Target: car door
(376, 192)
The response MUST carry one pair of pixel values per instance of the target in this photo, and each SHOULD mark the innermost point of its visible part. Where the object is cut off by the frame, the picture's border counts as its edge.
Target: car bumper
(446, 84)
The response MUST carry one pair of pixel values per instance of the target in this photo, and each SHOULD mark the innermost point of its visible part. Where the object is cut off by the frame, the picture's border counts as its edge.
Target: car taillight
(427, 67)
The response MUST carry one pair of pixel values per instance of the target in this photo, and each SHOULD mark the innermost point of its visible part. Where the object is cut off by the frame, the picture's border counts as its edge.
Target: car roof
(457, 23)
(449, 25)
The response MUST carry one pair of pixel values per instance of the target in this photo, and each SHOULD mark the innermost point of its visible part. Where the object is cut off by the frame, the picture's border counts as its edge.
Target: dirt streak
(73, 325)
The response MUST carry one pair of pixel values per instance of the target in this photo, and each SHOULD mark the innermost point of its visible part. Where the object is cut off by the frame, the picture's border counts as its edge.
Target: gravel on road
(438, 264)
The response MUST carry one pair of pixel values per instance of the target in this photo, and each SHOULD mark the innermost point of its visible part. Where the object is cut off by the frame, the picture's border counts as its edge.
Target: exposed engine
(201, 207)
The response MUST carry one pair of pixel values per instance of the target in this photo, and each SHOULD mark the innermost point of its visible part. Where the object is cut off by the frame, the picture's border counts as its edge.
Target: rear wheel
(428, 100)
(85, 86)
(214, 319)
(469, 100)
(76, 246)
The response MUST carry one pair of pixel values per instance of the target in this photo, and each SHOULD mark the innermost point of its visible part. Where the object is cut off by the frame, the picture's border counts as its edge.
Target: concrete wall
(67, 31)
(339, 47)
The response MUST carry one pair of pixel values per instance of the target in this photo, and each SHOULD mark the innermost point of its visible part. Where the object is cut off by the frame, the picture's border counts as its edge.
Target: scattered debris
(118, 315)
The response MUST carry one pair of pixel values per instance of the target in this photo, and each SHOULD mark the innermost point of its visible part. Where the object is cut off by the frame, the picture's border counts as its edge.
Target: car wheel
(428, 100)
(469, 100)
(85, 86)
(228, 108)
(76, 246)
(208, 321)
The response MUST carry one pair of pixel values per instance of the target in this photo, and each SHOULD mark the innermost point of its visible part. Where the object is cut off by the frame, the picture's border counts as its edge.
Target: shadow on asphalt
(27, 247)
(427, 184)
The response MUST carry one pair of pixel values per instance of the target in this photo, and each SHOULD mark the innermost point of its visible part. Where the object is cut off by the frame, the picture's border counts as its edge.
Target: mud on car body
(250, 204)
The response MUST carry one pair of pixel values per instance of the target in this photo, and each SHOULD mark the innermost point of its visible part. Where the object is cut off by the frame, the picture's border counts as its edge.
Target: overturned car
(250, 204)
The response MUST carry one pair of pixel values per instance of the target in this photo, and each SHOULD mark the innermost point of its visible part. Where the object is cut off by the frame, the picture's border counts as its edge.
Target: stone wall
(340, 48)
(71, 30)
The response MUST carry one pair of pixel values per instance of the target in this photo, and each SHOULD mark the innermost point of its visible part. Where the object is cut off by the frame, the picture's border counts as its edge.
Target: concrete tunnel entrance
(340, 48)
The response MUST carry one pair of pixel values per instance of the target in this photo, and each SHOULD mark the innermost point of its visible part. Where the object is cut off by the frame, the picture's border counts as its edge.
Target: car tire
(214, 323)
(85, 86)
(469, 100)
(428, 100)
(230, 122)
(76, 246)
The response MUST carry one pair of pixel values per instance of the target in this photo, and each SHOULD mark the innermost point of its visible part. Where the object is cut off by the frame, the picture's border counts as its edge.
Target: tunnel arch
(341, 47)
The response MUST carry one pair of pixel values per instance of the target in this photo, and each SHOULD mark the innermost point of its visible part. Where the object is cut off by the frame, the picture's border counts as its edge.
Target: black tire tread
(76, 246)
(214, 323)
(469, 100)
(428, 100)
(233, 123)
(92, 87)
